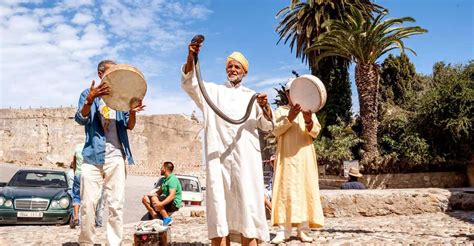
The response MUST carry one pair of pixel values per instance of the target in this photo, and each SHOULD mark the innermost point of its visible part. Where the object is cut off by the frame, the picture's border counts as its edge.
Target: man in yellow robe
(296, 201)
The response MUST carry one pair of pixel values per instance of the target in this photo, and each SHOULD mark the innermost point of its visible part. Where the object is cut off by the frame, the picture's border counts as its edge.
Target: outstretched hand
(193, 48)
(140, 107)
(294, 111)
(101, 90)
(262, 100)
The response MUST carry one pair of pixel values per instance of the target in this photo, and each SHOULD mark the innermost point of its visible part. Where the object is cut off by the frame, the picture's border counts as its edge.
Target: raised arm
(264, 113)
(82, 120)
(132, 115)
(282, 123)
(189, 81)
(312, 125)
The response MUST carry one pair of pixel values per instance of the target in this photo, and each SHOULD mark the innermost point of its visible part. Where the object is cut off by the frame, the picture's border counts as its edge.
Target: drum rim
(120, 67)
(318, 84)
(126, 67)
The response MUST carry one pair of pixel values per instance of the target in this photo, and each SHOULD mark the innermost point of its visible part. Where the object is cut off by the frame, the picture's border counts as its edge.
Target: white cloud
(48, 54)
(76, 3)
(16, 2)
(275, 81)
(82, 18)
(168, 103)
(199, 12)
(52, 20)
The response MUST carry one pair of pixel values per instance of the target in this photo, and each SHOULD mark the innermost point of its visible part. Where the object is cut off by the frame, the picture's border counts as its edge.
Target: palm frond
(364, 39)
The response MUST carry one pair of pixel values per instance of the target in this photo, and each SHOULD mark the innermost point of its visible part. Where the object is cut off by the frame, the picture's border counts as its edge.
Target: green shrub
(445, 117)
(332, 150)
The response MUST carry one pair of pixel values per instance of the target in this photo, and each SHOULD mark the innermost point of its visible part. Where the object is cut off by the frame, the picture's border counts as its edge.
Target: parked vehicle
(192, 189)
(35, 197)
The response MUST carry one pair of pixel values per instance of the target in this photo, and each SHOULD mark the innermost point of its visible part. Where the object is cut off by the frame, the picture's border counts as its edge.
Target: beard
(235, 79)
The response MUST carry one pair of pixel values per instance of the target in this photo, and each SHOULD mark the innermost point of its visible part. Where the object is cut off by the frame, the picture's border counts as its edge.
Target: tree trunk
(367, 81)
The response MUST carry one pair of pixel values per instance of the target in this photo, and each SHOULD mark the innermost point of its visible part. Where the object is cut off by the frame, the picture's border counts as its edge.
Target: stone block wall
(46, 137)
(369, 203)
(402, 180)
(416, 180)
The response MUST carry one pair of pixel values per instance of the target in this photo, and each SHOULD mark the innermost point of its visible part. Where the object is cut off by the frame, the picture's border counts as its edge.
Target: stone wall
(46, 137)
(390, 202)
(416, 180)
(470, 173)
(402, 180)
(368, 203)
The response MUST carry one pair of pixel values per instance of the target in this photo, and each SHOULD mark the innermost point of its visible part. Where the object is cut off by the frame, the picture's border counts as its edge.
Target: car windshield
(186, 184)
(189, 185)
(39, 179)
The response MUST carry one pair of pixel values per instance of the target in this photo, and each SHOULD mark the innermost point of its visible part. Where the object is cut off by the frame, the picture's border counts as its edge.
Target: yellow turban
(237, 56)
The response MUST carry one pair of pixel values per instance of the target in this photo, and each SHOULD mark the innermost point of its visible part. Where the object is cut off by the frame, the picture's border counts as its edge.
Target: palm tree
(300, 24)
(364, 40)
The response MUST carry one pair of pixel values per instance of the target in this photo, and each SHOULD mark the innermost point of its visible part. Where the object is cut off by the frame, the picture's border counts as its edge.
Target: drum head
(309, 92)
(127, 87)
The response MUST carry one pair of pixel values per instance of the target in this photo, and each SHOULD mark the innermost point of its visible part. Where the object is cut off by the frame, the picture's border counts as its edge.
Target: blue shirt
(94, 148)
(353, 185)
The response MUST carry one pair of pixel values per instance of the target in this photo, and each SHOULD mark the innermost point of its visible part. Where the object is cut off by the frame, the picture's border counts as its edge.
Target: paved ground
(429, 229)
(455, 228)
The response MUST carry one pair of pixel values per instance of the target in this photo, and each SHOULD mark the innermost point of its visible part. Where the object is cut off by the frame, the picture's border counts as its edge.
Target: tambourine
(309, 92)
(127, 87)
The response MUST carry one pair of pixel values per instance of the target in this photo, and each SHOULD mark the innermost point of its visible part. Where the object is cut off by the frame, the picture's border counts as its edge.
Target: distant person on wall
(295, 200)
(104, 154)
(353, 182)
(168, 198)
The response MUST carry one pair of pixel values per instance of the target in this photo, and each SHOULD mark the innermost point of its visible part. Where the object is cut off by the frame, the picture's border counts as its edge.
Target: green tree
(446, 113)
(301, 22)
(364, 40)
(397, 80)
(400, 140)
(336, 147)
(281, 98)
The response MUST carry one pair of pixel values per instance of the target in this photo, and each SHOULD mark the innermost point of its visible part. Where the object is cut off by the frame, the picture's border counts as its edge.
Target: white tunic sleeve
(190, 84)
(316, 127)
(282, 124)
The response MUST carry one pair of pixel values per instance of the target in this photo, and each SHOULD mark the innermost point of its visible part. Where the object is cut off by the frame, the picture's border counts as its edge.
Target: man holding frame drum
(104, 153)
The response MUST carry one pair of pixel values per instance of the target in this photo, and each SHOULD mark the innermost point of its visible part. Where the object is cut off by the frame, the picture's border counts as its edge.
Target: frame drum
(309, 92)
(127, 87)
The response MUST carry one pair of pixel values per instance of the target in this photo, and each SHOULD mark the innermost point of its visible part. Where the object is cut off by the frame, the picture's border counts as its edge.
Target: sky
(49, 50)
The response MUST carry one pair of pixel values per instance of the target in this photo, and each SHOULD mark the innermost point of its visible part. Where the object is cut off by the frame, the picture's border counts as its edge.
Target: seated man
(167, 198)
(353, 182)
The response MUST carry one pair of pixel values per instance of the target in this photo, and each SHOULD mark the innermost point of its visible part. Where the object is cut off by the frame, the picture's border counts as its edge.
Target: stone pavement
(454, 228)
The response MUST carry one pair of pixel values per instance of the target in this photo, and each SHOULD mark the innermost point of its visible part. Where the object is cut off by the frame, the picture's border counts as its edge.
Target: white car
(192, 189)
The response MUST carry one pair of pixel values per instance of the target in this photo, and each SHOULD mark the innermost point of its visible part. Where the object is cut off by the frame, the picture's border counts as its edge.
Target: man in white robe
(235, 200)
